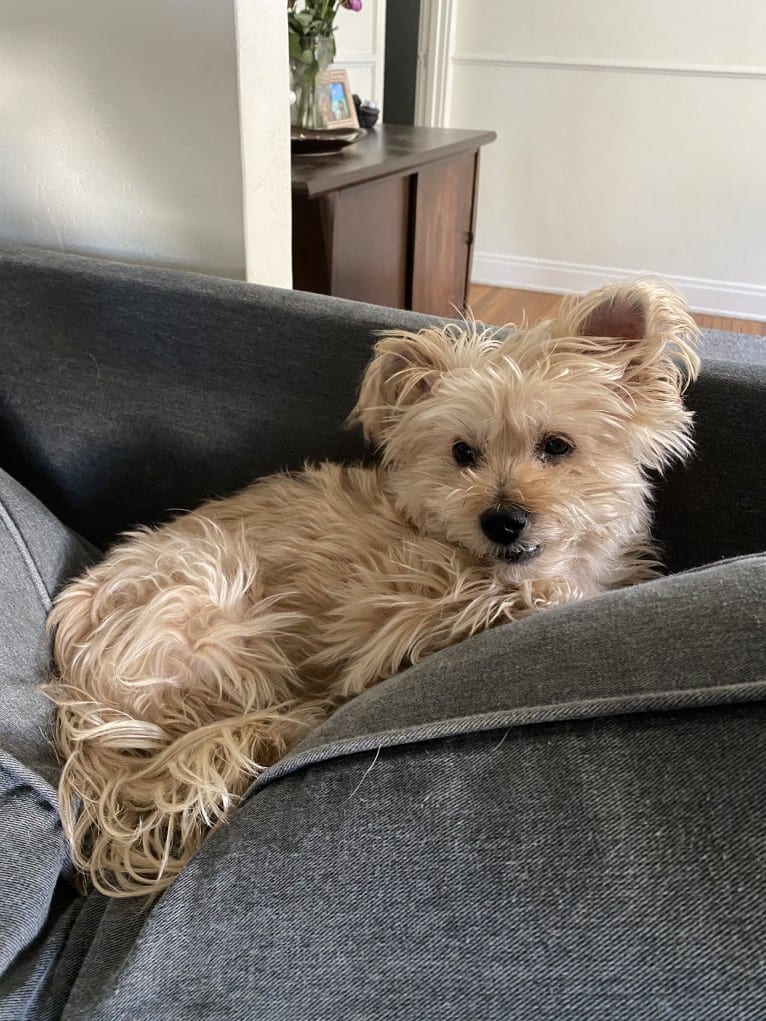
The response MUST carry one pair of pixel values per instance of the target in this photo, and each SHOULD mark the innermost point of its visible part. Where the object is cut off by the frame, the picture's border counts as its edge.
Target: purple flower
(353, 5)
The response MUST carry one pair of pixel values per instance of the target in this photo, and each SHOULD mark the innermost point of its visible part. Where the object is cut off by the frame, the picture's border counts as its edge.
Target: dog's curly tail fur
(135, 817)
(173, 694)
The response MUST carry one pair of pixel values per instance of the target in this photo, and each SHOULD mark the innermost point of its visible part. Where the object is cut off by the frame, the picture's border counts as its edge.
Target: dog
(513, 475)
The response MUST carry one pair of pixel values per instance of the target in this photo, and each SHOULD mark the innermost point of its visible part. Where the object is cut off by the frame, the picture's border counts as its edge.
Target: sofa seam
(518, 717)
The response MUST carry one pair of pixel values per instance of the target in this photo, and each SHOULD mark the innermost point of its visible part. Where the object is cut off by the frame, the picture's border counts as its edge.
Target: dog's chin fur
(198, 653)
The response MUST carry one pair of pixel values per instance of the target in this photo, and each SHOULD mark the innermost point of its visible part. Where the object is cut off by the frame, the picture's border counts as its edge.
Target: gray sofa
(562, 818)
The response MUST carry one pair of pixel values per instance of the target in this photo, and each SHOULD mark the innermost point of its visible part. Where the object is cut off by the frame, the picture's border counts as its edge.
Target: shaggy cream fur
(197, 653)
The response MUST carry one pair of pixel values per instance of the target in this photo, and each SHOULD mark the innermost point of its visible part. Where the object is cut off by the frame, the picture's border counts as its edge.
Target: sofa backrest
(128, 393)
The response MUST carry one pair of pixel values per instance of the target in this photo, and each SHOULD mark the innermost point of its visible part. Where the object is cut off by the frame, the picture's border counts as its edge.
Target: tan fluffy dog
(512, 478)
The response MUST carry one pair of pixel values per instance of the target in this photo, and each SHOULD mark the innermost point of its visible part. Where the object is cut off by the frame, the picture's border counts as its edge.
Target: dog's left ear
(403, 371)
(642, 336)
(642, 329)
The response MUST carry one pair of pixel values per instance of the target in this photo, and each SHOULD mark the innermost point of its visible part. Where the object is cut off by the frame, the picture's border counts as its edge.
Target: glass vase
(309, 58)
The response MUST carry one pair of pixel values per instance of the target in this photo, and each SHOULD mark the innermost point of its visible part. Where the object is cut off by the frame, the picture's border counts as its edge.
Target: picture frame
(334, 100)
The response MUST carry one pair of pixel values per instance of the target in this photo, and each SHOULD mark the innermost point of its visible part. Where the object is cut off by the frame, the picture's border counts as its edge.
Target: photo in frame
(334, 100)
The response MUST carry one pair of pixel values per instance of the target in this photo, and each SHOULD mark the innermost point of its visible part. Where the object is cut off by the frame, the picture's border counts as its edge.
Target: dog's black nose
(503, 525)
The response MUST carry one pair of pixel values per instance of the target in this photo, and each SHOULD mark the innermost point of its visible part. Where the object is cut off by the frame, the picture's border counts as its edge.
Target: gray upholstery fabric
(541, 823)
(560, 819)
(714, 507)
(36, 555)
(48, 554)
(724, 346)
(556, 819)
(128, 391)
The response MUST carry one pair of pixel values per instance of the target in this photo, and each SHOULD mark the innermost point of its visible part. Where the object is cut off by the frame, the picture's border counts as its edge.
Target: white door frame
(433, 90)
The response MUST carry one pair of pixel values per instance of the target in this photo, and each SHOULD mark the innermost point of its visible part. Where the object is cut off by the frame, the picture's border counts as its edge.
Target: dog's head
(530, 449)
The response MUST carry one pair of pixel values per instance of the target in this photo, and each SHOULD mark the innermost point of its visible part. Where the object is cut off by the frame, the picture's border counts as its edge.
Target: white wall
(121, 137)
(360, 39)
(630, 137)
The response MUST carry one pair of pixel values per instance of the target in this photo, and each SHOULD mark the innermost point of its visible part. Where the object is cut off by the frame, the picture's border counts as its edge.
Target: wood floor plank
(501, 305)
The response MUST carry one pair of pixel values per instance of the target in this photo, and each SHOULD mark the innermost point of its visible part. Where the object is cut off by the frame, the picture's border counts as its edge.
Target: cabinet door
(443, 234)
(369, 242)
(354, 243)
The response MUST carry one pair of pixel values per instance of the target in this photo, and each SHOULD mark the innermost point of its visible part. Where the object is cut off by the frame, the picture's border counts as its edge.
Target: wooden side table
(389, 220)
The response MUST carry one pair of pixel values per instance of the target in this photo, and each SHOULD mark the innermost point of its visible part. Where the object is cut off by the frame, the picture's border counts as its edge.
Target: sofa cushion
(560, 818)
(541, 669)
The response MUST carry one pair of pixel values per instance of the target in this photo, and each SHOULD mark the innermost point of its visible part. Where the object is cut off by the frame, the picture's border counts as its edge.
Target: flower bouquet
(311, 34)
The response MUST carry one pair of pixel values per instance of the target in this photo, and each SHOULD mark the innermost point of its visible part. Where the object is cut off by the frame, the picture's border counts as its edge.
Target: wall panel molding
(370, 58)
(610, 66)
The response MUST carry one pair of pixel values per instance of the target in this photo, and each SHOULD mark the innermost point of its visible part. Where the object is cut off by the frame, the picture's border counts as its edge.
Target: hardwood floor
(500, 305)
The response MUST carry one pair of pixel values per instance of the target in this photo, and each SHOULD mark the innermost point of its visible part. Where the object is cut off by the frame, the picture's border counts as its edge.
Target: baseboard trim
(713, 297)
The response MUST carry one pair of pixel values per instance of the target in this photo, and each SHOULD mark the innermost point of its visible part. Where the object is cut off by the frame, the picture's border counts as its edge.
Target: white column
(264, 110)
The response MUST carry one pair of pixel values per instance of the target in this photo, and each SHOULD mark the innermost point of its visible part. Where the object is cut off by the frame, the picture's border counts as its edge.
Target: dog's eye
(464, 454)
(556, 446)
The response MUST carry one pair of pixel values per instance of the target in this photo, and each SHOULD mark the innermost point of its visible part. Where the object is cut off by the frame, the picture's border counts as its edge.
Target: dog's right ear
(403, 371)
